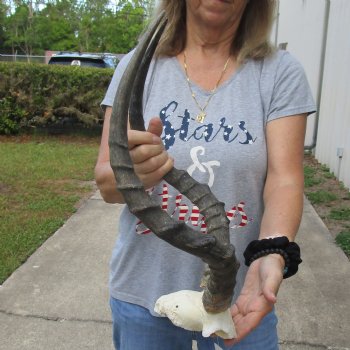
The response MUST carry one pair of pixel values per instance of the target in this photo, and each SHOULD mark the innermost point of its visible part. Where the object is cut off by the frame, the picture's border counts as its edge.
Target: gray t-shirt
(227, 151)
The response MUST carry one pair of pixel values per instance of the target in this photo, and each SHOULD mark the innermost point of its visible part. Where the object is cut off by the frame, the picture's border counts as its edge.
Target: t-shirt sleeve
(291, 93)
(113, 86)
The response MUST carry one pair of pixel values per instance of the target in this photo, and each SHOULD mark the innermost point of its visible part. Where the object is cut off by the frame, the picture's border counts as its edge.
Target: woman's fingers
(144, 152)
(147, 152)
(137, 138)
(153, 178)
(150, 137)
(150, 162)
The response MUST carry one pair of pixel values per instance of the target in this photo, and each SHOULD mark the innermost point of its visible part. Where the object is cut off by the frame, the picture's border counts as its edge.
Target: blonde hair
(251, 40)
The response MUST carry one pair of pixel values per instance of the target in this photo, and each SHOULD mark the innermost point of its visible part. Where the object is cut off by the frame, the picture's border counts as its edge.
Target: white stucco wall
(301, 26)
(309, 26)
(334, 117)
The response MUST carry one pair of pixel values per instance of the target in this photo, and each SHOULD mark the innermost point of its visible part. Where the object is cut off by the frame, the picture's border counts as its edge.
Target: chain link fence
(23, 58)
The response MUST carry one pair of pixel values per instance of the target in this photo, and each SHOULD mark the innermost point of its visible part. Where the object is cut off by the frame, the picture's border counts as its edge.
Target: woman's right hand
(151, 160)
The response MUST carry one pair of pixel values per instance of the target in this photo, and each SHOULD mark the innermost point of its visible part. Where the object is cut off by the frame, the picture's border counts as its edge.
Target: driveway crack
(312, 345)
(55, 318)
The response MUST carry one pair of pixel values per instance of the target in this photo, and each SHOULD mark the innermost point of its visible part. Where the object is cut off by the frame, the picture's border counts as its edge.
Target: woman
(232, 112)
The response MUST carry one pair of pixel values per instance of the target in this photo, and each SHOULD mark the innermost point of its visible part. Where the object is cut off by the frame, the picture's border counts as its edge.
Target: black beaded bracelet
(290, 252)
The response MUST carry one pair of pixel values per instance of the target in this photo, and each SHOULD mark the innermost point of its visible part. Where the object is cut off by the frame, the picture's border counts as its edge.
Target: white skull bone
(185, 309)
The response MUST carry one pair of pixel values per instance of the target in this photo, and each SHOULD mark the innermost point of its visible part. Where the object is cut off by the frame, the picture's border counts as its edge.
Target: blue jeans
(134, 328)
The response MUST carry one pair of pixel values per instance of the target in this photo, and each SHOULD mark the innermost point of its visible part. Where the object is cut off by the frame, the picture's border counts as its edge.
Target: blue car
(102, 60)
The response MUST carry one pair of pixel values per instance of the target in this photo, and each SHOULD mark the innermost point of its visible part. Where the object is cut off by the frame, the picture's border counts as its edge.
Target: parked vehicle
(99, 60)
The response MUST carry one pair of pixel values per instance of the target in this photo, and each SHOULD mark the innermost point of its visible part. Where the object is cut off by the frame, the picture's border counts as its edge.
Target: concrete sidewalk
(58, 299)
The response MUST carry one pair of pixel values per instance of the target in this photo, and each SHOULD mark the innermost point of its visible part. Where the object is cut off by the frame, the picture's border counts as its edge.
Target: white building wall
(301, 24)
(309, 28)
(334, 117)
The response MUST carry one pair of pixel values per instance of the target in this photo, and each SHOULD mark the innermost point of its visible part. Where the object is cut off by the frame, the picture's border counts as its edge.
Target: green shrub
(11, 116)
(44, 96)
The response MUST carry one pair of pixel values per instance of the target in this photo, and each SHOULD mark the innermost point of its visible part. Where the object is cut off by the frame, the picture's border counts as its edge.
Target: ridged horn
(214, 248)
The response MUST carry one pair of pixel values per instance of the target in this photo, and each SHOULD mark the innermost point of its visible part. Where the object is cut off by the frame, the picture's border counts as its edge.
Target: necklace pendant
(200, 117)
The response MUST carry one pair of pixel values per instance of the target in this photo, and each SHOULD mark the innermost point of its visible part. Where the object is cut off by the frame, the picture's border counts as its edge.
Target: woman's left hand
(258, 295)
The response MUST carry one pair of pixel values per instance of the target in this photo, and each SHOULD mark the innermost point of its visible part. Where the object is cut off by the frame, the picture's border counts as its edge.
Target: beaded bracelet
(290, 252)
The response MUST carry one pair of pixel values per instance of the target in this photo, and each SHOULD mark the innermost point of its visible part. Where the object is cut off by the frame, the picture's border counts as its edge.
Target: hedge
(39, 96)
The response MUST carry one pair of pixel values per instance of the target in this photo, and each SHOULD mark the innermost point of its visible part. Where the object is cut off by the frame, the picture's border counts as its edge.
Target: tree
(19, 30)
(32, 26)
(92, 13)
(107, 29)
(56, 26)
(3, 14)
(148, 6)
(123, 32)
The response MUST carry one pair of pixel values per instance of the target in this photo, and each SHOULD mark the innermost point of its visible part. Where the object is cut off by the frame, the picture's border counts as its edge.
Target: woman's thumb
(270, 289)
(155, 126)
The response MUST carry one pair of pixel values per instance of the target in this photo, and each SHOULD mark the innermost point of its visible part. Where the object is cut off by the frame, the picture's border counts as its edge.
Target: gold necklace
(202, 114)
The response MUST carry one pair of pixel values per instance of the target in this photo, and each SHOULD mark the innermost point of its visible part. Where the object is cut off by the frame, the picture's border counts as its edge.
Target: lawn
(330, 199)
(42, 183)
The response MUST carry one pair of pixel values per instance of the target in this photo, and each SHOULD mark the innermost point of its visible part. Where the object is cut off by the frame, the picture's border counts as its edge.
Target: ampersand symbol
(202, 167)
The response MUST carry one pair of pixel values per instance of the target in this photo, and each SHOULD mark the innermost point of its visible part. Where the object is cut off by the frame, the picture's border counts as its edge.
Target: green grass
(310, 178)
(331, 200)
(321, 196)
(41, 182)
(343, 240)
(326, 172)
(340, 214)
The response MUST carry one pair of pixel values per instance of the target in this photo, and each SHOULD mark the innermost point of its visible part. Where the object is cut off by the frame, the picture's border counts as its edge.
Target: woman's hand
(151, 161)
(258, 295)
